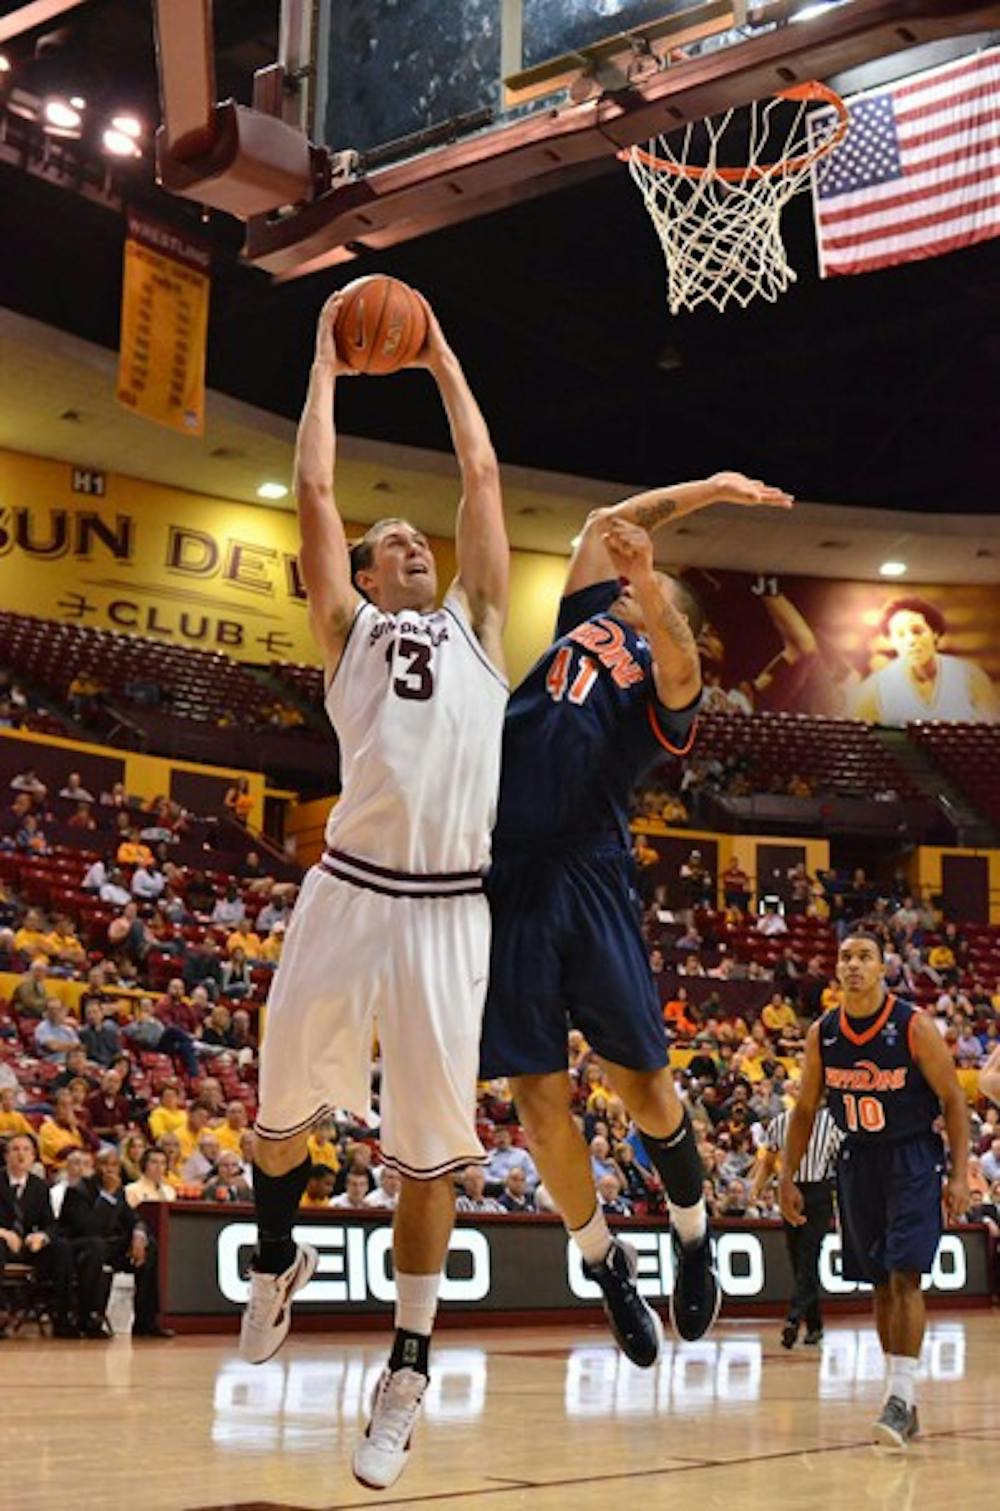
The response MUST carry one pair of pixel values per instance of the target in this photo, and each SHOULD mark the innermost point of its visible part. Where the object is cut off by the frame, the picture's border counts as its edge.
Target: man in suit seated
(95, 1212)
(28, 1230)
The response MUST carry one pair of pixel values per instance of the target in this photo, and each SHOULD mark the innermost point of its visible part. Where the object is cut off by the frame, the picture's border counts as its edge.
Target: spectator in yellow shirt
(230, 1133)
(133, 852)
(32, 938)
(270, 950)
(168, 1116)
(830, 997)
(59, 1133)
(779, 1016)
(191, 1130)
(245, 940)
(322, 1144)
(941, 958)
(62, 943)
(12, 1121)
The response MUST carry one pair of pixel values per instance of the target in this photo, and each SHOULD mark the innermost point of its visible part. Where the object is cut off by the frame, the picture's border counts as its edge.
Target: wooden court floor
(534, 1418)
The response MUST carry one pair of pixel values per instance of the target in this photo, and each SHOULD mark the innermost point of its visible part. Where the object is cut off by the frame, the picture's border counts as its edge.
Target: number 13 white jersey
(418, 709)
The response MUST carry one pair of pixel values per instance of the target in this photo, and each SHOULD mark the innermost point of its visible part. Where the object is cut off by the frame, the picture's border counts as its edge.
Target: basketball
(381, 325)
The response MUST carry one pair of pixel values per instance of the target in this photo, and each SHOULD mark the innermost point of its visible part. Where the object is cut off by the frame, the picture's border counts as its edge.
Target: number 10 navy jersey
(581, 729)
(874, 1086)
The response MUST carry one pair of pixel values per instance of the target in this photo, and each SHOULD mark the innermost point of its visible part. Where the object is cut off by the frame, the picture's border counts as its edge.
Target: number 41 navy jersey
(581, 729)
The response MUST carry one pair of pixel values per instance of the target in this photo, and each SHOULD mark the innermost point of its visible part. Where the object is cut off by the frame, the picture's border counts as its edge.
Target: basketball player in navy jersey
(620, 685)
(887, 1076)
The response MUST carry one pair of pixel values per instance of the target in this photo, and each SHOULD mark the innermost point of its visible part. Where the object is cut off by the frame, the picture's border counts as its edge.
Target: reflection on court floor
(325, 1387)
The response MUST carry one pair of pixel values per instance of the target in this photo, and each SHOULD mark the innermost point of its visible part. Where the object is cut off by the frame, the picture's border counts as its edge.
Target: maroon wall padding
(965, 882)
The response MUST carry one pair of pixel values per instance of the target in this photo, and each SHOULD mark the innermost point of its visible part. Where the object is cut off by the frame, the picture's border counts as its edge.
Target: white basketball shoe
(268, 1313)
(383, 1452)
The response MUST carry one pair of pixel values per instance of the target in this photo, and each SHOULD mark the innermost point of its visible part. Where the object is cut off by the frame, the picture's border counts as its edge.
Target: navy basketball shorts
(568, 952)
(889, 1199)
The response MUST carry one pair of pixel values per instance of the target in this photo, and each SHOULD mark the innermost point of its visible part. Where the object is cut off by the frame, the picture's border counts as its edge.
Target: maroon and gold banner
(884, 653)
(161, 365)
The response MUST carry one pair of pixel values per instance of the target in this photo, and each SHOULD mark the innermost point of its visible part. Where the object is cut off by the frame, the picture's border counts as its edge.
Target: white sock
(594, 1238)
(417, 1302)
(689, 1223)
(902, 1379)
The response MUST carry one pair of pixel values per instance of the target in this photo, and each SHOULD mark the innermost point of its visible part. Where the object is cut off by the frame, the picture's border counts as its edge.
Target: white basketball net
(721, 236)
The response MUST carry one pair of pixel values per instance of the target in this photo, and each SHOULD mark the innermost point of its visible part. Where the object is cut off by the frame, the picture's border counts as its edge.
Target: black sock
(410, 1351)
(678, 1163)
(276, 1198)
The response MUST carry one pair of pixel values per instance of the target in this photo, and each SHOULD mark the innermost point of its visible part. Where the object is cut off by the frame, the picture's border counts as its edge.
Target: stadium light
(118, 144)
(892, 569)
(128, 125)
(62, 118)
(272, 490)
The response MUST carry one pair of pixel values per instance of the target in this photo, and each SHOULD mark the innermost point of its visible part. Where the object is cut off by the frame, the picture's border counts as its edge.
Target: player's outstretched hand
(326, 344)
(436, 347)
(957, 1198)
(734, 488)
(790, 1202)
(630, 548)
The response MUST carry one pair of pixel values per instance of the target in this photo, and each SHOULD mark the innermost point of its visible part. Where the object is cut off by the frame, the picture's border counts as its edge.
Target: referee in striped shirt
(814, 1179)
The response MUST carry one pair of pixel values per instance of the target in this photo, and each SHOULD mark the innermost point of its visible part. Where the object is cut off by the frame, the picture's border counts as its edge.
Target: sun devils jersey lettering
(874, 1086)
(418, 710)
(582, 728)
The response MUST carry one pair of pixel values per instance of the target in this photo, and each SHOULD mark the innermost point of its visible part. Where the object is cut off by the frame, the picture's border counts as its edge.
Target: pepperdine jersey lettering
(418, 709)
(874, 1086)
(582, 728)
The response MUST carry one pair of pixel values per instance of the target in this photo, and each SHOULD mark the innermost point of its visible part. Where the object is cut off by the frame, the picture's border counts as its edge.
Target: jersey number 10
(866, 1112)
(557, 681)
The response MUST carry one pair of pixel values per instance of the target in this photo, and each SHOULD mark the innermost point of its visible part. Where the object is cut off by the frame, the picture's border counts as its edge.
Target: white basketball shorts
(359, 963)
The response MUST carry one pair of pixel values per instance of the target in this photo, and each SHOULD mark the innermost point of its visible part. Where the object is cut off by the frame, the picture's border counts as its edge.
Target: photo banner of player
(885, 653)
(164, 325)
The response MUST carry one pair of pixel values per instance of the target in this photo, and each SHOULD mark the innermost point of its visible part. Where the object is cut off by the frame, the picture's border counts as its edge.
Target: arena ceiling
(875, 391)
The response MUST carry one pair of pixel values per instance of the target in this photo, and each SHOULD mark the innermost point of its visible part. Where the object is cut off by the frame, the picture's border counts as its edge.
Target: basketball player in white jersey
(920, 682)
(391, 932)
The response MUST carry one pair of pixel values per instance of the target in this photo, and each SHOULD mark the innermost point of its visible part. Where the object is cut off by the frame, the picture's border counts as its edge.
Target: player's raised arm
(658, 507)
(800, 1127)
(324, 560)
(676, 664)
(481, 547)
(932, 1055)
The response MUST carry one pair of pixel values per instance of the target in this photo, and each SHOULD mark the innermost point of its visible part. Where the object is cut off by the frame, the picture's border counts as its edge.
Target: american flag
(918, 173)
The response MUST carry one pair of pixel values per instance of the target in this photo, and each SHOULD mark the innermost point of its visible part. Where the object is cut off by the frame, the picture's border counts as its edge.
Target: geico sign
(354, 1263)
(948, 1272)
(741, 1266)
(739, 1259)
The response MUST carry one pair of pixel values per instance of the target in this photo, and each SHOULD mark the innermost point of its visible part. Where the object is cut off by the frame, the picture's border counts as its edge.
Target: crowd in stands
(19, 710)
(129, 1015)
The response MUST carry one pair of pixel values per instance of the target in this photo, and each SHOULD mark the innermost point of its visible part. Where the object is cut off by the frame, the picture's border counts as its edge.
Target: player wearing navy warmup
(620, 685)
(887, 1076)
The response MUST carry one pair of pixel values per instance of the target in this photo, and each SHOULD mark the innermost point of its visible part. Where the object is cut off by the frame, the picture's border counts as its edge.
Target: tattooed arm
(591, 563)
(676, 667)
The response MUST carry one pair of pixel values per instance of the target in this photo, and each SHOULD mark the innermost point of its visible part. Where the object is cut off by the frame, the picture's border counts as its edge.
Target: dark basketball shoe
(637, 1329)
(913, 1425)
(696, 1298)
(897, 1424)
(814, 1335)
(789, 1335)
